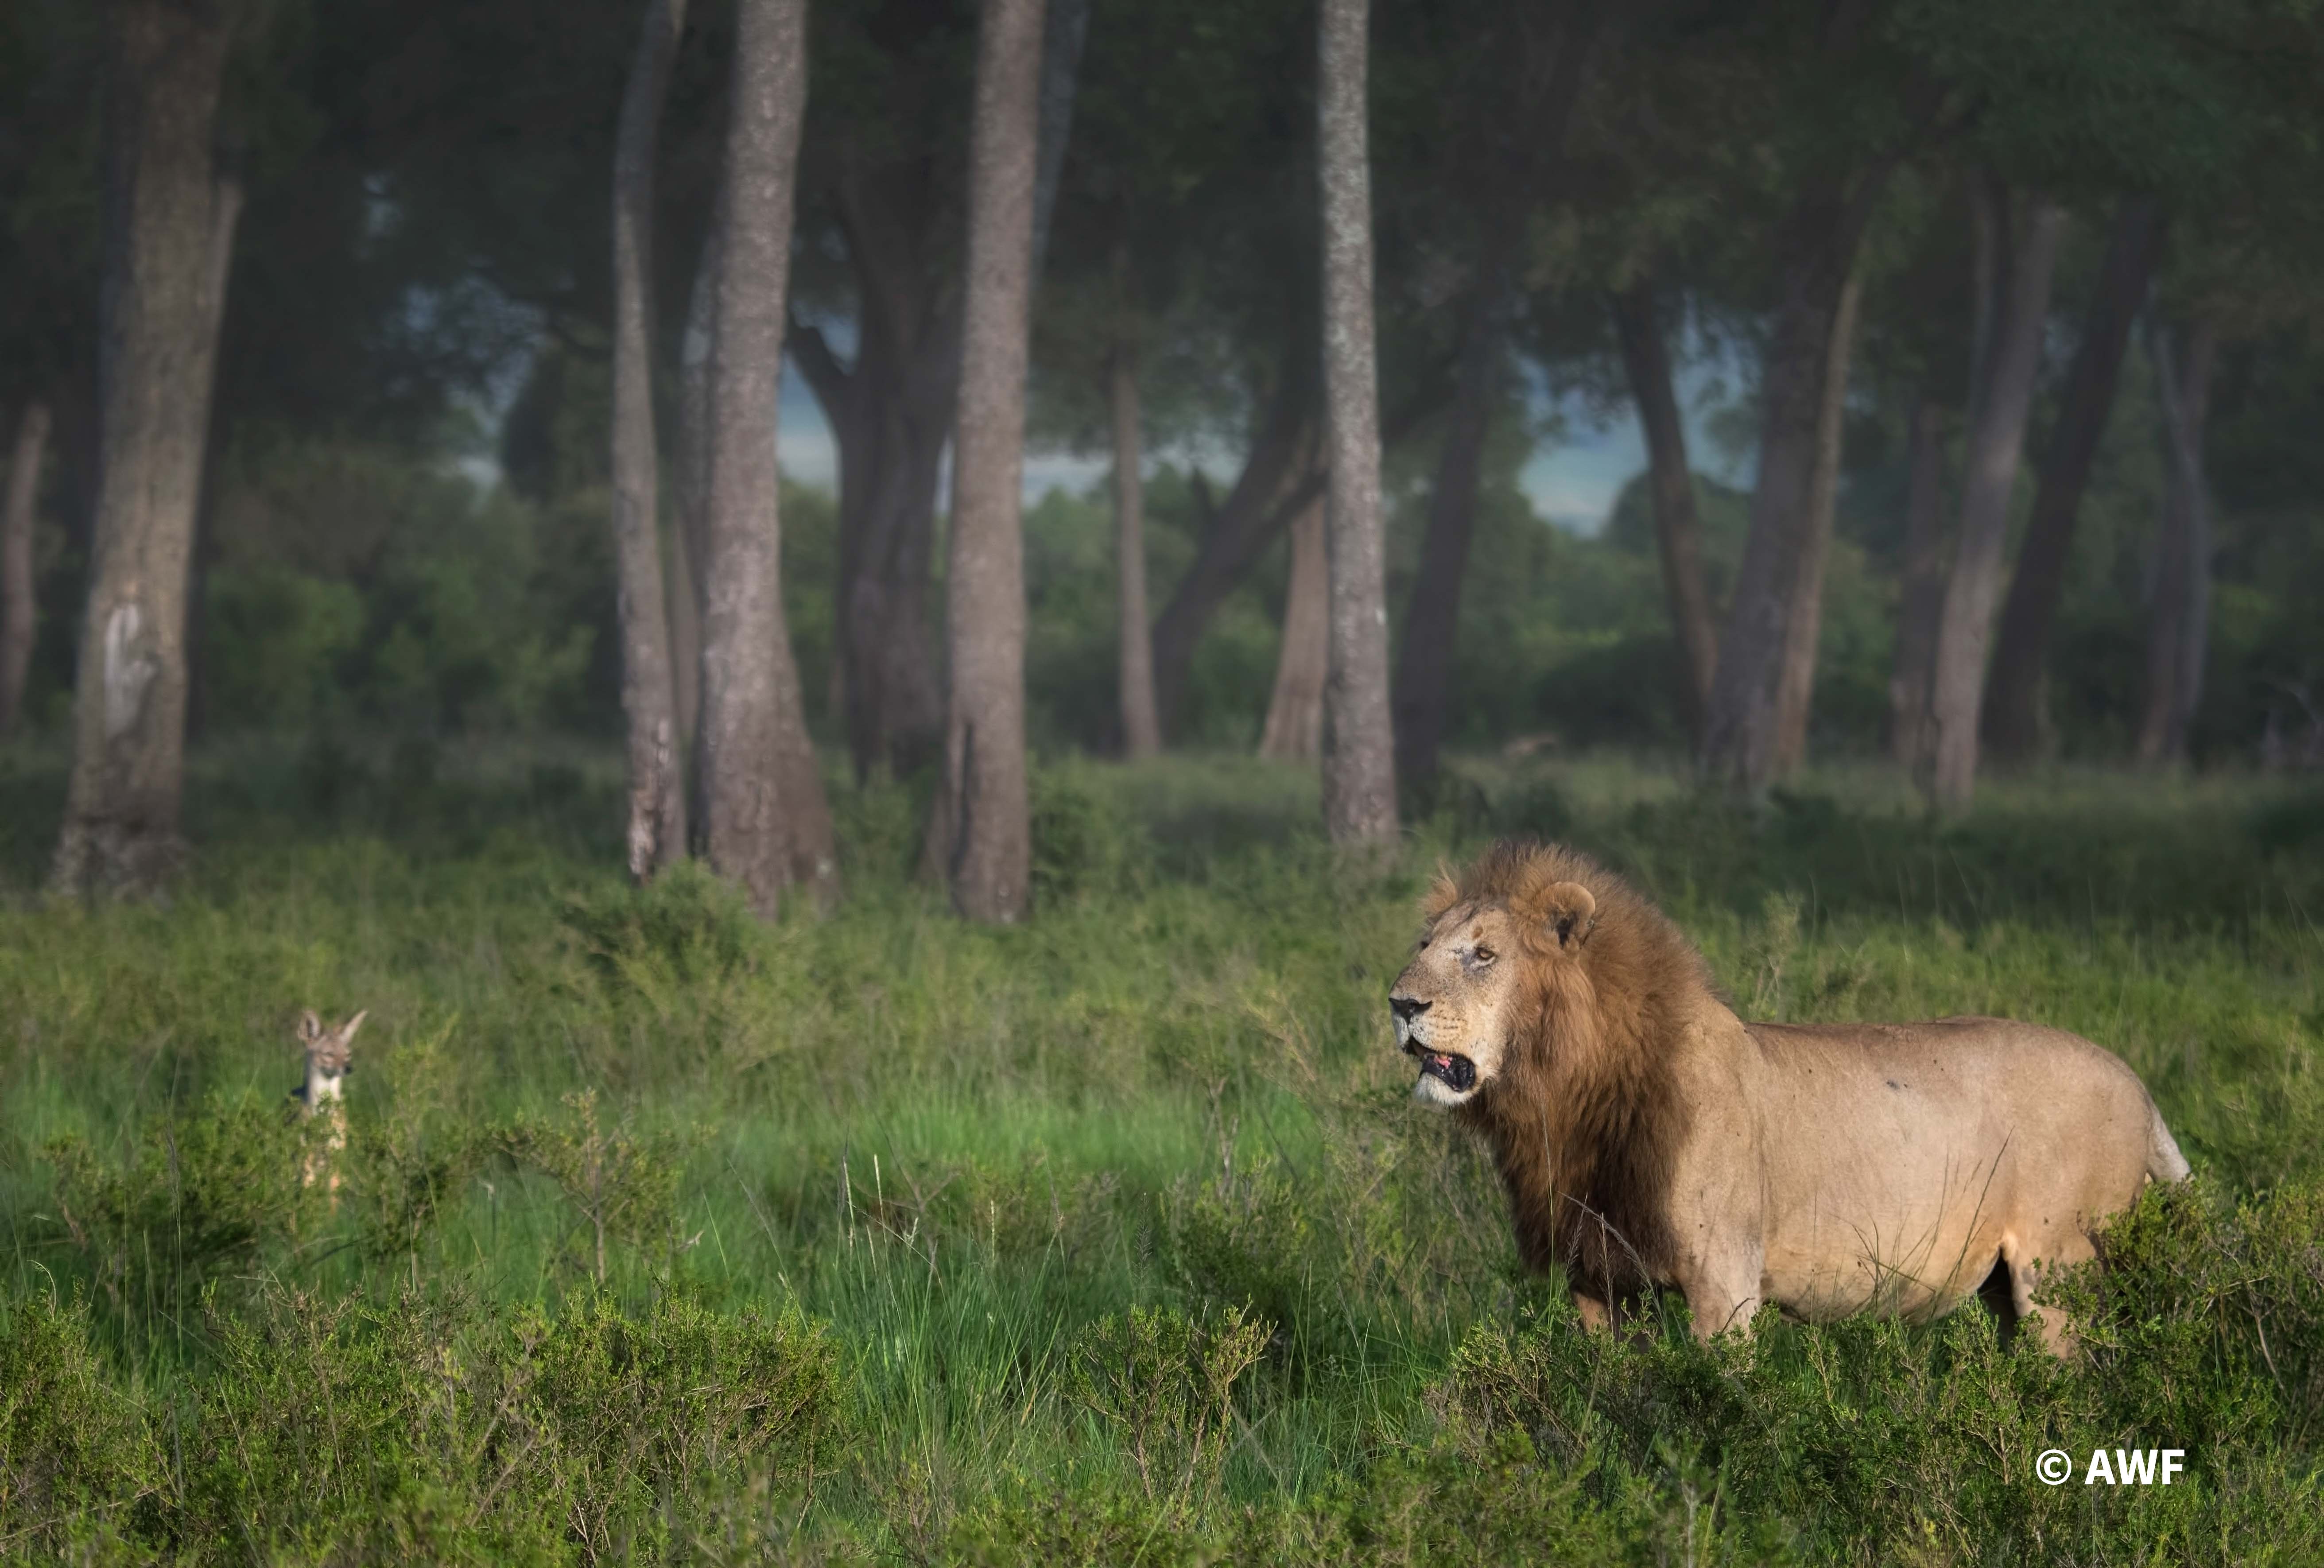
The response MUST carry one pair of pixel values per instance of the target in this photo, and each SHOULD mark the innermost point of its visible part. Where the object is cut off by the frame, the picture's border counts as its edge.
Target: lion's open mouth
(1457, 1073)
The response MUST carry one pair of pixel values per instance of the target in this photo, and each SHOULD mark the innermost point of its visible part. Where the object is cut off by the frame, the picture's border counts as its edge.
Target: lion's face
(1451, 1004)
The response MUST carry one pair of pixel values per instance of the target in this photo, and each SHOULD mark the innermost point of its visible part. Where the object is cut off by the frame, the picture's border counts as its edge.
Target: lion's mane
(1585, 1119)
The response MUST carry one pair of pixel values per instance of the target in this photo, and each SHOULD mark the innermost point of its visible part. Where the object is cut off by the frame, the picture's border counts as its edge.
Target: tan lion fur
(1646, 1137)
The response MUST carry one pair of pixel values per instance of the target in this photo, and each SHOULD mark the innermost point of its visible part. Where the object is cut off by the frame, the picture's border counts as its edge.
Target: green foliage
(687, 928)
(1082, 838)
(1867, 1433)
(620, 1185)
(79, 1468)
(1047, 1191)
(193, 1203)
(1165, 1382)
(431, 1428)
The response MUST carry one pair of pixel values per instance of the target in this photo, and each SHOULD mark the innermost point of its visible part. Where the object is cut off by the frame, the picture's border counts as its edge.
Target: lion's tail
(2164, 1163)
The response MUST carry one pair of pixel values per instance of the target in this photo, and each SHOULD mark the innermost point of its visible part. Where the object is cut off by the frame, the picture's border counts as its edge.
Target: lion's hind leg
(2028, 1265)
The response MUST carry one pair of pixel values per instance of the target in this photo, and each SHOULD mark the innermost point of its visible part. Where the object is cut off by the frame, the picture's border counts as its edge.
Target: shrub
(78, 1465)
(1082, 840)
(196, 1200)
(1165, 1382)
(432, 1430)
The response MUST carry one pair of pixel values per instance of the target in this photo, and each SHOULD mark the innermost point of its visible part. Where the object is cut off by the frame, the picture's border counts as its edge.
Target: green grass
(924, 1241)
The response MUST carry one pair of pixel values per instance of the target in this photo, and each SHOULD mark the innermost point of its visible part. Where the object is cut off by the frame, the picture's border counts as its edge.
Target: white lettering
(2136, 1466)
(2174, 1461)
(2100, 1465)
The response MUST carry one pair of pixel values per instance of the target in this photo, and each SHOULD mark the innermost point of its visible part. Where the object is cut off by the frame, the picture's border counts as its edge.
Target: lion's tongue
(1454, 1071)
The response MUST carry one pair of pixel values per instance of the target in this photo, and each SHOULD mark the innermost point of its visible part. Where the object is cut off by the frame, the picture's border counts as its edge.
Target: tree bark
(1996, 440)
(1294, 711)
(1358, 738)
(2179, 621)
(170, 220)
(1423, 670)
(893, 408)
(768, 826)
(1237, 532)
(690, 489)
(2016, 699)
(656, 835)
(1678, 530)
(1803, 629)
(1142, 727)
(980, 837)
(1921, 588)
(19, 607)
(1741, 729)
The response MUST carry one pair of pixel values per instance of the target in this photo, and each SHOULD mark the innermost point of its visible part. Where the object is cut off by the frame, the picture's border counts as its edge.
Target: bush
(1165, 1382)
(194, 1202)
(1082, 840)
(435, 1430)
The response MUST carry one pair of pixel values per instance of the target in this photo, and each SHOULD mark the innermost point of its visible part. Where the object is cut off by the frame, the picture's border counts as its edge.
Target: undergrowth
(664, 1234)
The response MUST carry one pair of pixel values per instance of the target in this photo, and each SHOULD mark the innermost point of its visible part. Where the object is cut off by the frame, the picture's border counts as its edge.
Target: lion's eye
(1483, 957)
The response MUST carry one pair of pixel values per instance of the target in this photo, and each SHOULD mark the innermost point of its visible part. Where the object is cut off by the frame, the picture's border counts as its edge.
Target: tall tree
(170, 209)
(1921, 584)
(690, 486)
(1141, 724)
(2029, 227)
(657, 775)
(19, 609)
(1804, 631)
(1359, 742)
(1678, 530)
(768, 827)
(1536, 60)
(1851, 79)
(980, 837)
(1278, 476)
(2016, 705)
(1294, 731)
(2178, 626)
(889, 174)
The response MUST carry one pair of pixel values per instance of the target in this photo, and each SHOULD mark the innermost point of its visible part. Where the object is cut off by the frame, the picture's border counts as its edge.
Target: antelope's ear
(347, 1029)
(1569, 910)
(310, 1028)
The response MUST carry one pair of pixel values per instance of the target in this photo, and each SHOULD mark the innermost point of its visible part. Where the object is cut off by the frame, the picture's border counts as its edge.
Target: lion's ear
(1569, 910)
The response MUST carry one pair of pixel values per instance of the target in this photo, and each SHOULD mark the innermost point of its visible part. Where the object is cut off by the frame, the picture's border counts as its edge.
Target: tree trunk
(768, 826)
(170, 218)
(2016, 700)
(1237, 532)
(690, 483)
(2178, 623)
(657, 773)
(1920, 587)
(1359, 739)
(891, 413)
(1295, 712)
(1423, 671)
(1741, 729)
(1997, 439)
(894, 407)
(1678, 530)
(1803, 629)
(19, 608)
(1141, 728)
(980, 837)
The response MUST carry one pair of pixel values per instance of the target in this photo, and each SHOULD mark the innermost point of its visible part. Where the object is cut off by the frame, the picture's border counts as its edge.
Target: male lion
(1648, 1137)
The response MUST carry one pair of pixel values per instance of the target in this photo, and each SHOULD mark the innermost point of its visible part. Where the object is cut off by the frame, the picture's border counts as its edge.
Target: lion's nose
(1407, 1007)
